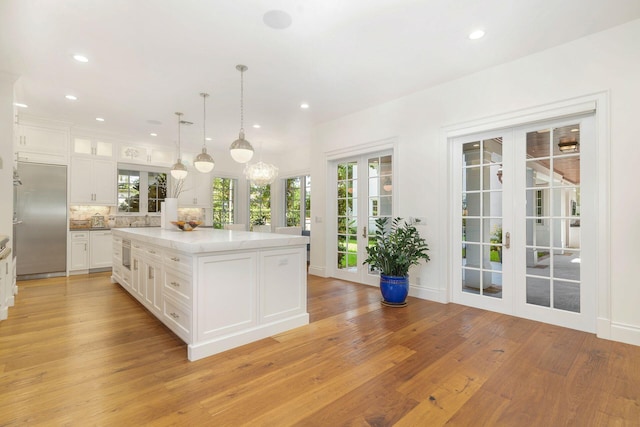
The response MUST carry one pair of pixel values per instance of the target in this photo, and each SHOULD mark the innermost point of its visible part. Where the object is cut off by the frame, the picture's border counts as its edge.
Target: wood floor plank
(81, 351)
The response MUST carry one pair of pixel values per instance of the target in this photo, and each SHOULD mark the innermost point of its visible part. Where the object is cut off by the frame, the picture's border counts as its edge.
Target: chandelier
(241, 149)
(261, 173)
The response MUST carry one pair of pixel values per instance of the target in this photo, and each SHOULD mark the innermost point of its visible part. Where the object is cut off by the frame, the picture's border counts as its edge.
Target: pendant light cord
(204, 120)
(242, 101)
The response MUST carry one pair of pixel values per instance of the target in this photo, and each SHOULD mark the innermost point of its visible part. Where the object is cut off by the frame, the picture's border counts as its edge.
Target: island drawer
(177, 318)
(177, 261)
(178, 286)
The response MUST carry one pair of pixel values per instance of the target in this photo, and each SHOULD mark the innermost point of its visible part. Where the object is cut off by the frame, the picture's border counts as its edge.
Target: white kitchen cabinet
(5, 287)
(92, 147)
(139, 154)
(147, 278)
(79, 251)
(93, 181)
(196, 190)
(41, 144)
(100, 249)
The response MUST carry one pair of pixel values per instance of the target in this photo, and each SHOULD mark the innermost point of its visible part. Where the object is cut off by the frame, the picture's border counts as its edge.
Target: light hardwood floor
(81, 351)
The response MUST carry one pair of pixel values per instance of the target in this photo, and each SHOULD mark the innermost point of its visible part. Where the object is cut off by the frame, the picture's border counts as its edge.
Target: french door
(363, 189)
(525, 222)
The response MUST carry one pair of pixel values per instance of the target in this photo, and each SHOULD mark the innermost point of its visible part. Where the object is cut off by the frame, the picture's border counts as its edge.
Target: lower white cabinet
(100, 249)
(79, 251)
(90, 250)
(147, 277)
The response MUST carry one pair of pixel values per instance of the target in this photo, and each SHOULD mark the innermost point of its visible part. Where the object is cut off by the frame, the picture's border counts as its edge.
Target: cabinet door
(101, 249)
(153, 286)
(79, 254)
(81, 180)
(104, 182)
(42, 140)
(196, 190)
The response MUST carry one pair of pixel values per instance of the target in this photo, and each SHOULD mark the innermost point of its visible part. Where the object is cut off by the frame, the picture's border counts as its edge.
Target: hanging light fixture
(203, 161)
(241, 149)
(178, 170)
(261, 173)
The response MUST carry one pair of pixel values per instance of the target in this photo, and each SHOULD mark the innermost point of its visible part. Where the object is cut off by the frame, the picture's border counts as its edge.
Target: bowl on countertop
(186, 225)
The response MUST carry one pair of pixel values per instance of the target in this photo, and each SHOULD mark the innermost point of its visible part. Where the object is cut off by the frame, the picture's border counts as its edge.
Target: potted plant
(397, 247)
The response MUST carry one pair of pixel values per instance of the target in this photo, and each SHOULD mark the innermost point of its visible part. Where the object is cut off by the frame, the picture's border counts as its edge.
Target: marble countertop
(208, 239)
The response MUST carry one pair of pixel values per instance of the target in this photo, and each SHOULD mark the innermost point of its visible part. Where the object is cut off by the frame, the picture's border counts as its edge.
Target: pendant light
(178, 170)
(241, 149)
(203, 161)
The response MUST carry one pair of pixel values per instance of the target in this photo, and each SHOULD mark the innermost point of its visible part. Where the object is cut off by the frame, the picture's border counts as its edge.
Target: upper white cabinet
(92, 147)
(41, 144)
(93, 181)
(196, 190)
(146, 155)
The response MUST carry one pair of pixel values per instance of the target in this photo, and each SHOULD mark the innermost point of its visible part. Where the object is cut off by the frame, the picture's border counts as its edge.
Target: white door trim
(597, 103)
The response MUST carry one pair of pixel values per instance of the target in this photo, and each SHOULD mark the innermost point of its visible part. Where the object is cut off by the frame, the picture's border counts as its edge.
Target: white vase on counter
(168, 212)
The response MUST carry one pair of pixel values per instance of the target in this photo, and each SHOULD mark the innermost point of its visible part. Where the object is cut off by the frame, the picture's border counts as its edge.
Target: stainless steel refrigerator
(40, 226)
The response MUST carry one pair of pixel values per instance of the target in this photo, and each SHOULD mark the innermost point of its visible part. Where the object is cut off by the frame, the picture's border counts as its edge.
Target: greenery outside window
(259, 204)
(223, 198)
(141, 191)
(298, 202)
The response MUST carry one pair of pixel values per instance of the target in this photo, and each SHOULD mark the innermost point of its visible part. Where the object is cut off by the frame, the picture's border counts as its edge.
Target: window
(224, 196)
(298, 202)
(259, 204)
(141, 191)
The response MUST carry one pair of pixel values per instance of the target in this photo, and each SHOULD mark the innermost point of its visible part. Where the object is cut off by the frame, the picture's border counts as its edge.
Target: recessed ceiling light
(21, 105)
(257, 126)
(478, 34)
(277, 19)
(304, 105)
(80, 58)
(208, 139)
(71, 97)
(100, 119)
(153, 134)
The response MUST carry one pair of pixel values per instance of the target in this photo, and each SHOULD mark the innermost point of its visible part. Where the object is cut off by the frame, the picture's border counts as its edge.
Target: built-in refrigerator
(40, 221)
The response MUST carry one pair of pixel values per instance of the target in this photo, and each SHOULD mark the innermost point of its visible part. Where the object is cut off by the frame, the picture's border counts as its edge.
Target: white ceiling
(150, 58)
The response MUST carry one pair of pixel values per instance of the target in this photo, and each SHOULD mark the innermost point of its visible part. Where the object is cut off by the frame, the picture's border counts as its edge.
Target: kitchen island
(215, 289)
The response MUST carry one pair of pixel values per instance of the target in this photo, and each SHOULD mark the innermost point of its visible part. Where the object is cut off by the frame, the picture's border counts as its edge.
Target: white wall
(6, 153)
(607, 61)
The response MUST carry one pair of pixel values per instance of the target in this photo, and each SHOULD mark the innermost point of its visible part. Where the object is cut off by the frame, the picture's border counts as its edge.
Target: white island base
(216, 289)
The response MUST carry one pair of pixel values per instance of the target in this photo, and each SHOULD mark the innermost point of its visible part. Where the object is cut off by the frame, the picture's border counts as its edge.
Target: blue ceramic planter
(394, 288)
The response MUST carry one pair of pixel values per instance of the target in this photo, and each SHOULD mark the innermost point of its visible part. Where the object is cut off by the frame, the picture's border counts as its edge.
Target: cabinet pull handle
(85, 247)
(135, 264)
(151, 251)
(507, 240)
(364, 232)
(174, 315)
(175, 284)
(150, 272)
(176, 259)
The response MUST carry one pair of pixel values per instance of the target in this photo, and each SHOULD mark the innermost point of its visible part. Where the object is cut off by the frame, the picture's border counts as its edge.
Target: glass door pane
(347, 190)
(481, 268)
(553, 218)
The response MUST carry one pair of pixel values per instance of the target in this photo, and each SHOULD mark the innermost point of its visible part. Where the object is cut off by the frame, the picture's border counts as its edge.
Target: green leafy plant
(397, 246)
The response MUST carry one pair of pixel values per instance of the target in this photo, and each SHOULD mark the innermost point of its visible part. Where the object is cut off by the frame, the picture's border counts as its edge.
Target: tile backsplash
(80, 216)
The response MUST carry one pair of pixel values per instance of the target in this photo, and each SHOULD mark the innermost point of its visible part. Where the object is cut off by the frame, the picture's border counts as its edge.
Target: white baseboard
(431, 294)
(317, 271)
(625, 333)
